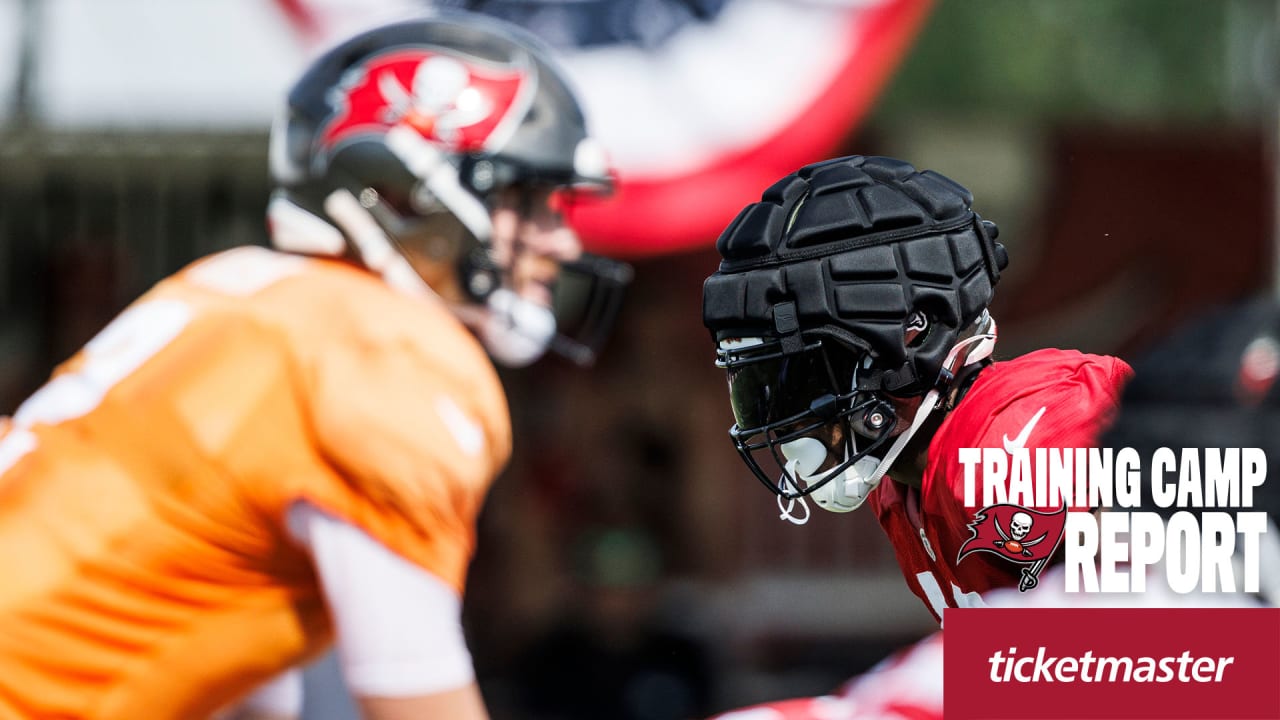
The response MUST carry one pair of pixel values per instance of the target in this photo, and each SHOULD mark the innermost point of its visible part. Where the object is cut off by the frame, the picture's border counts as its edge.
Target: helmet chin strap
(791, 502)
(440, 177)
(371, 242)
(922, 413)
(966, 352)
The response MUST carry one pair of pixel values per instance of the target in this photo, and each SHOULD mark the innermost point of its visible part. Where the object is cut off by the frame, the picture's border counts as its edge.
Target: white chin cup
(842, 493)
(804, 455)
(517, 331)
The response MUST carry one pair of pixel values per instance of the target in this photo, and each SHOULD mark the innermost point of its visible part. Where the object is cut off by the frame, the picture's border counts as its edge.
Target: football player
(276, 449)
(1211, 384)
(850, 313)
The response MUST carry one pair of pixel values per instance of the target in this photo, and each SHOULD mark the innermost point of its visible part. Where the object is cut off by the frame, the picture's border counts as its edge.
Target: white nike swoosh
(1020, 442)
(467, 432)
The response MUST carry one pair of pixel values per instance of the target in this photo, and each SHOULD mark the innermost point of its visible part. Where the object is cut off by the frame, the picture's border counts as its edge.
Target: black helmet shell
(855, 249)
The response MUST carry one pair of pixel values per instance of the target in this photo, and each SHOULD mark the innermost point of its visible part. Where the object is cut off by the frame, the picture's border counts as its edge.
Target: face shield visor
(586, 299)
(801, 421)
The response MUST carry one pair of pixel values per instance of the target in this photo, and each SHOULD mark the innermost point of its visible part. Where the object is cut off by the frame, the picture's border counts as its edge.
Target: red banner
(688, 205)
(1094, 663)
(702, 118)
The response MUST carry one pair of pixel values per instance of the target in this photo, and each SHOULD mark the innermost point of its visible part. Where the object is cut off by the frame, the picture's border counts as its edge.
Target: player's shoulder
(1047, 398)
(241, 271)
(1068, 394)
(294, 286)
(275, 288)
(1072, 387)
(321, 304)
(400, 398)
(1047, 372)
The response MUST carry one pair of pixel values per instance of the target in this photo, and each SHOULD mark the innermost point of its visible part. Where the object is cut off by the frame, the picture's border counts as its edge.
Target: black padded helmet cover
(850, 249)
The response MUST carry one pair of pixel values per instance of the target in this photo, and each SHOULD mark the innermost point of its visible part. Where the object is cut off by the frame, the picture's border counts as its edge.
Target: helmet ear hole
(917, 328)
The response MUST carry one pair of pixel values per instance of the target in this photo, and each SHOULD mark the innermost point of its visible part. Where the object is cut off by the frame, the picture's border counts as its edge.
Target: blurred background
(629, 564)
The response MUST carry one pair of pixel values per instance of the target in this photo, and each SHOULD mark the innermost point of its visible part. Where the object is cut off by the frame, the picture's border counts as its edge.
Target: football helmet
(401, 141)
(848, 302)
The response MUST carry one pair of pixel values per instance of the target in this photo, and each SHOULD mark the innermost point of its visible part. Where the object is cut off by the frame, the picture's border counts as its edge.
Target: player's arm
(464, 703)
(251, 714)
(278, 699)
(399, 631)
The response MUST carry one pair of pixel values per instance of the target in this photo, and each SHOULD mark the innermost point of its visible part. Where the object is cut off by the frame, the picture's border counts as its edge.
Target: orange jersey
(145, 567)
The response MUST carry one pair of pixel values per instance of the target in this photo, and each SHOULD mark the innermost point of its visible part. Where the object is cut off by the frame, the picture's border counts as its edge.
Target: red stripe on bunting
(302, 18)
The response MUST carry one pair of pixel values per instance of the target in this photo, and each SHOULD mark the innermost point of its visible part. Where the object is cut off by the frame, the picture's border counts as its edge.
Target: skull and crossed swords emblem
(1019, 527)
(441, 101)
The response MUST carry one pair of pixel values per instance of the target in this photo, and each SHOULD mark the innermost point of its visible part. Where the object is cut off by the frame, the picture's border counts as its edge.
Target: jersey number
(933, 591)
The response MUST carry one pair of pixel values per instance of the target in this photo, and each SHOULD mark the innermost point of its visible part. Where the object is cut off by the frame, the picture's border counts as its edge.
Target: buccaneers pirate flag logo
(1017, 534)
(469, 105)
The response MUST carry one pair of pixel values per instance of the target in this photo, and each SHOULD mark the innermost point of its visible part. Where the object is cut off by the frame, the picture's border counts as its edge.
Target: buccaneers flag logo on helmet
(1017, 534)
(455, 102)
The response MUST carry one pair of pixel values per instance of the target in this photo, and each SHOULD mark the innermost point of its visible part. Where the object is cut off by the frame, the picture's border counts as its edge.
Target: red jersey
(1049, 399)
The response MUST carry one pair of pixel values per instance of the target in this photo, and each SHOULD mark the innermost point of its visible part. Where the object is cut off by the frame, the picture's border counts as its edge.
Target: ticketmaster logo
(1090, 669)
(1034, 663)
